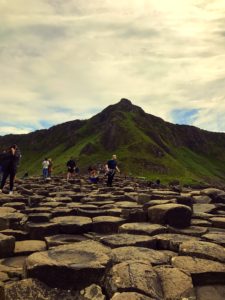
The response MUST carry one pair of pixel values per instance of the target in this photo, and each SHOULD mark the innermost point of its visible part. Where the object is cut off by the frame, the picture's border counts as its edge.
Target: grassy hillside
(145, 145)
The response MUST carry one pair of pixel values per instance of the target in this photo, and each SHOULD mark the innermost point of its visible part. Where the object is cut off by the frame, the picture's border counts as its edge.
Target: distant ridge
(145, 144)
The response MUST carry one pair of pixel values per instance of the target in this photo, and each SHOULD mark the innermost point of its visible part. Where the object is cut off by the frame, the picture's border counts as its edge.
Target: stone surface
(216, 237)
(218, 222)
(33, 289)
(176, 283)
(203, 271)
(29, 246)
(92, 292)
(73, 224)
(7, 245)
(154, 257)
(169, 241)
(62, 239)
(203, 250)
(142, 228)
(134, 277)
(68, 265)
(176, 215)
(123, 239)
(106, 224)
(130, 296)
(191, 230)
(210, 292)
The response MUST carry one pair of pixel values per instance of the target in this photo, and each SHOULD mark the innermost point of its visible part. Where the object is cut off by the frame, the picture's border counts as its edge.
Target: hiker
(71, 165)
(111, 168)
(50, 167)
(45, 165)
(93, 178)
(10, 163)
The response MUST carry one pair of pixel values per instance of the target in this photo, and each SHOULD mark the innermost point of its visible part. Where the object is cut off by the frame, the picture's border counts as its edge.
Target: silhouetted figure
(71, 165)
(111, 168)
(10, 164)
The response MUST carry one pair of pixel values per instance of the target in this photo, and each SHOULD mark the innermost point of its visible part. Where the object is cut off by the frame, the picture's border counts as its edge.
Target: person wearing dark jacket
(111, 168)
(10, 164)
(71, 165)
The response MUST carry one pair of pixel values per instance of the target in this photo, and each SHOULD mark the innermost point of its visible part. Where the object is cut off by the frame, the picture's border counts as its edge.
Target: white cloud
(62, 60)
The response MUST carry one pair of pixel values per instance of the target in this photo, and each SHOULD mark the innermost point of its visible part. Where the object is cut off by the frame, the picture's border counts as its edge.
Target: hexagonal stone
(37, 231)
(176, 215)
(204, 208)
(142, 228)
(73, 224)
(13, 266)
(7, 245)
(200, 222)
(31, 289)
(74, 265)
(176, 283)
(203, 271)
(218, 222)
(123, 239)
(216, 237)
(130, 296)
(62, 239)
(202, 199)
(106, 224)
(29, 246)
(154, 257)
(191, 230)
(19, 235)
(170, 241)
(205, 250)
(210, 292)
(16, 205)
(134, 277)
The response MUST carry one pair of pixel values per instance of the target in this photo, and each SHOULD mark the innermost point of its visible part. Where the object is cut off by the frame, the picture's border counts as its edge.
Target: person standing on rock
(111, 168)
(45, 165)
(11, 162)
(50, 167)
(71, 165)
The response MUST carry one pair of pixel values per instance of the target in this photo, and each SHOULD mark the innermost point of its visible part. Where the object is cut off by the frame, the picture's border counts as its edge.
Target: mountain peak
(125, 101)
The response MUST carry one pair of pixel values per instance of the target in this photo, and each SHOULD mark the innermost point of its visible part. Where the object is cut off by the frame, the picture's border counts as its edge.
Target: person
(50, 167)
(111, 168)
(94, 176)
(10, 165)
(45, 165)
(71, 165)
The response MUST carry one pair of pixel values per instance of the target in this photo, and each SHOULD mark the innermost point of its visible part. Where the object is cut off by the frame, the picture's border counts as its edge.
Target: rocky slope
(146, 146)
(77, 241)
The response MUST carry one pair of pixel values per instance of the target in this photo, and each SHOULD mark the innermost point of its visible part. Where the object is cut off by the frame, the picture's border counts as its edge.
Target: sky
(63, 60)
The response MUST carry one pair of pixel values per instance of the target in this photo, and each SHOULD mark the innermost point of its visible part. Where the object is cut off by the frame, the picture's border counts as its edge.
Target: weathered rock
(29, 246)
(37, 231)
(39, 218)
(74, 265)
(106, 224)
(16, 205)
(200, 222)
(92, 292)
(218, 222)
(19, 235)
(169, 241)
(154, 257)
(13, 266)
(176, 283)
(7, 245)
(130, 296)
(216, 237)
(123, 239)
(205, 250)
(176, 215)
(203, 271)
(203, 199)
(33, 289)
(210, 292)
(73, 224)
(134, 215)
(3, 277)
(62, 239)
(134, 277)
(142, 228)
(204, 208)
(192, 230)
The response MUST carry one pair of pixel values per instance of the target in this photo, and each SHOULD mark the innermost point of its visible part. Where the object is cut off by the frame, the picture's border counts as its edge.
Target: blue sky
(65, 60)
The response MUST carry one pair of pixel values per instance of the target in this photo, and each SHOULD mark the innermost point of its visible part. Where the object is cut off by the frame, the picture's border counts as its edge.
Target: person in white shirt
(45, 165)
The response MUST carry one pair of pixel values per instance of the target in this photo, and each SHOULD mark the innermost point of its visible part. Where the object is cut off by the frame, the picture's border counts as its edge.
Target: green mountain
(145, 145)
